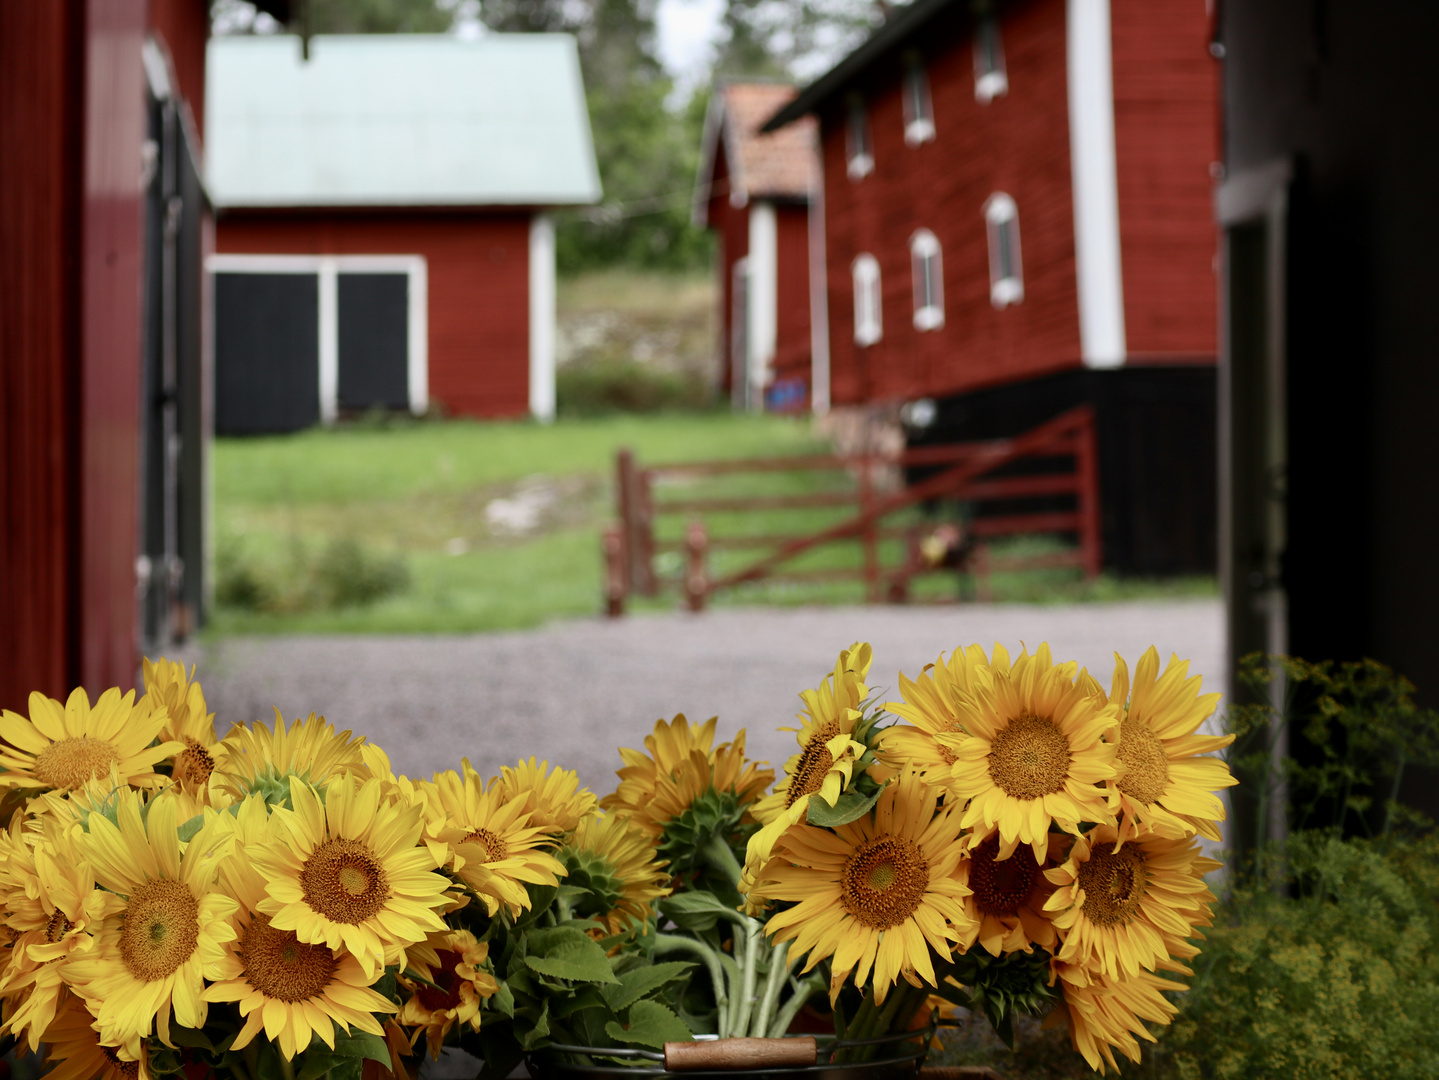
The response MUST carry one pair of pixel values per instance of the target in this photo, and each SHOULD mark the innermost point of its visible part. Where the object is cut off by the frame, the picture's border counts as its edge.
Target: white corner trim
(329, 341)
(419, 358)
(542, 318)
(763, 299)
(1095, 183)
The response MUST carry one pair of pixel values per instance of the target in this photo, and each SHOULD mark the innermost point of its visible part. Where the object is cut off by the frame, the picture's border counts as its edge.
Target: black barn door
(374, 335)
(267, 352)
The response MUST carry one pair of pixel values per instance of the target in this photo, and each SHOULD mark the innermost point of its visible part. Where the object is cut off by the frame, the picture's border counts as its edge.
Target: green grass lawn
(421, 498)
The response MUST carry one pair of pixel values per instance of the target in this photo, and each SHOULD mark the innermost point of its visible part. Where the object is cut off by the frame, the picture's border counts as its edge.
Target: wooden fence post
(697, 583)
(624, 507)
(612, 543)
(868, 539)
(1086, 464)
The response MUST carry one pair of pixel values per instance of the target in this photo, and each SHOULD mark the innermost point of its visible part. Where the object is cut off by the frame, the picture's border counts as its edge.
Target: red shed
(382, 240)
(754, 191)
(1017, 218)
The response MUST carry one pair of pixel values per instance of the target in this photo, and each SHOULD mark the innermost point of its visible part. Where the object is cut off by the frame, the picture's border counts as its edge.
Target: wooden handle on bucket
(739, 1053)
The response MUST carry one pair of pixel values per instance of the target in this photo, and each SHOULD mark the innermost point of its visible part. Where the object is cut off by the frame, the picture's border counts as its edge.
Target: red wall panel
(731, 225)
(184, 27)
(1166, 108)
(792, 340)
(1019, 143)
(478, 274)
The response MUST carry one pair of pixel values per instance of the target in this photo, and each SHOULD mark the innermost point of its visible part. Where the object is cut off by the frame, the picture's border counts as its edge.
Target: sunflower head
(1032, 752)
(1009, 894)
(932, 708)
(617, 866)
(553, 797)
(74, 1050)
(255, 758)
(168, 687)
(64, 747)
(456, 976)
(1105, 1013)
(1167, 773)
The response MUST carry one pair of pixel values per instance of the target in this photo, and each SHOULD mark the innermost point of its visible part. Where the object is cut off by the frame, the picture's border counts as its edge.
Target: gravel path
(574, 691)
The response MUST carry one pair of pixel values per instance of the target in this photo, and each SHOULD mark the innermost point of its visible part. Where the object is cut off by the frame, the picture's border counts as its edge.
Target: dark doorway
(267, 352)
(374, 335)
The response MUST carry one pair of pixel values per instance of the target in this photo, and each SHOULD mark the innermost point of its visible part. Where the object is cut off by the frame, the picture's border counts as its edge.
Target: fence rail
(1061, 457)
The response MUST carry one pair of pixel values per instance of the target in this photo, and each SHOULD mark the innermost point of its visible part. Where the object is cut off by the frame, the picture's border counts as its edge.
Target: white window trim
(859, 161)
(328, 268)
(868, 299)
(918, 120)
(924, 246)
(1004, 289)
(992, 83)
(542, 318)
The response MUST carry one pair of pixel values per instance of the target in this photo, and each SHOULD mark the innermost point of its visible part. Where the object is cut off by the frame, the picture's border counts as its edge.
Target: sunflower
(166, 925)
(351, 873)
(931, 709)
(74, 1050)
(1168, 778)
(258, 758)
(487, 840)
(833, 740)
(1120, 910)
(879, 893)
(168, 687)
(1008, 896)
(66, 746)
(457, 977)
(293, 990)
(1032, 751)
(51, 924)
(553, 798)
(616, 864)
(1105, 1014)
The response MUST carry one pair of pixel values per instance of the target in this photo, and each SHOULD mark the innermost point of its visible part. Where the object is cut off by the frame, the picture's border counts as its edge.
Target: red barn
(754, 191)
(1017, 218)
(382, 240)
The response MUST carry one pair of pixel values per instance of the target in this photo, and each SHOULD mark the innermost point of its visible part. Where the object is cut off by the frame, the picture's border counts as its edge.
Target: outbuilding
(383, 238)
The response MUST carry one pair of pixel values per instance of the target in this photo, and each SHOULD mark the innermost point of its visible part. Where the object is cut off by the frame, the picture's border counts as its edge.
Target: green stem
(803, 990)
(287, 1067)
(720, 857)
(774, 982)
(752, 938)
(673, 943)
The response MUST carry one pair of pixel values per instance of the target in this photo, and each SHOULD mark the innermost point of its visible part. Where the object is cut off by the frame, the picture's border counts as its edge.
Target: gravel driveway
(574, 691)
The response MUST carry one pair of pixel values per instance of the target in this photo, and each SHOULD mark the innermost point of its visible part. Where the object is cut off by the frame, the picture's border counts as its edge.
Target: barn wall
(72, 95)
(478, 272)
(184, 27)
(1166, 121)
(1019, 144)
(731, 225)
(792, 348)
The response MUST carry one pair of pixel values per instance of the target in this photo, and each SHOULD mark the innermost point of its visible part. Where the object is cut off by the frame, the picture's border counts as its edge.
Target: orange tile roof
(778, 164)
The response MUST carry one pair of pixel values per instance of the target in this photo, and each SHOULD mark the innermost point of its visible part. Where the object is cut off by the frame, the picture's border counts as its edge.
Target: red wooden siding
(72, 96)
(184, 26)
(792, 340)
(1019, 144)
(731, 227)
(478, 275)
(1166, 102)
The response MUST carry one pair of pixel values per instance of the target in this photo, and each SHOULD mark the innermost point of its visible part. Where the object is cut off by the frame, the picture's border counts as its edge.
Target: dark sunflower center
(58, 926)
(1114, 884)
(884, 881)
(495, 846)
(1029, 758)
(280, 965)
(194, 764)
(1000, 886)
(1146, 765)
(814, 764)
(128, 1069)
(343, 881)
(448, 981)
(161, 929)
(74, 762)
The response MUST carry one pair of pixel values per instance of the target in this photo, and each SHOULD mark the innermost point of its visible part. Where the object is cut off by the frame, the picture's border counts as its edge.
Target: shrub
(343, 574)
(604, 387)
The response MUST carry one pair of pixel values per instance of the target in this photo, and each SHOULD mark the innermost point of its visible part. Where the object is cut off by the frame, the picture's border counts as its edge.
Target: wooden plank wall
(478, 271)
(730, 225)
(1019, 143)
(792, 339)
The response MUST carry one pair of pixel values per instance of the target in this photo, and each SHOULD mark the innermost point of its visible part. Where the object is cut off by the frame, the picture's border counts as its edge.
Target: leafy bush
(605, 387)
(342, 574)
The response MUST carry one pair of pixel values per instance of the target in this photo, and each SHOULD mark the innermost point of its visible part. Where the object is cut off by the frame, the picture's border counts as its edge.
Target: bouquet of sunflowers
(279, 905)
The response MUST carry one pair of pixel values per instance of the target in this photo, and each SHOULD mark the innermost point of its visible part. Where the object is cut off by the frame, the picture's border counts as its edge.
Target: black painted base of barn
(1157, 456)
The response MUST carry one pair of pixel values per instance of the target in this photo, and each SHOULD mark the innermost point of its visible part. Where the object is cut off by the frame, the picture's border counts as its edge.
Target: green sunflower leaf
(638, 982)
(851, 805)
(362, 1045)
(649, 1024)
(567, 953)
(698, 911)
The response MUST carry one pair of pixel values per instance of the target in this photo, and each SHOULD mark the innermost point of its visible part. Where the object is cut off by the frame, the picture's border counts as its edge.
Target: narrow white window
(858, 143)
(918, 105)
(867, 325)
(928, 269)
(990, 78)
(1006, 272)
